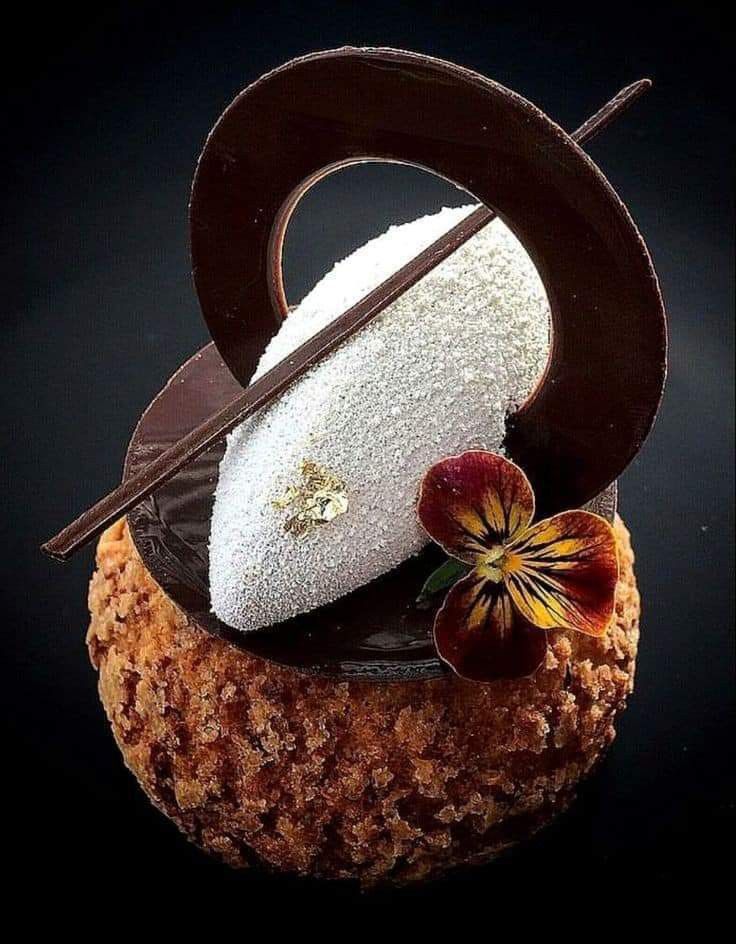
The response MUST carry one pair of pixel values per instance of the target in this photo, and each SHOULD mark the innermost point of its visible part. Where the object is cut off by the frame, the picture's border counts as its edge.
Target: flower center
(498, 563)
(491, 564)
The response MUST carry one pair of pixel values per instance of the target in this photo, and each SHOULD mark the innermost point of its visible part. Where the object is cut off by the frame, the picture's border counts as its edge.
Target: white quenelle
(435, 374)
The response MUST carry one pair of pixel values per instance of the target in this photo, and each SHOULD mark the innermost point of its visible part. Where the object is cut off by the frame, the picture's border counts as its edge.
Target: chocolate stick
(127, 495)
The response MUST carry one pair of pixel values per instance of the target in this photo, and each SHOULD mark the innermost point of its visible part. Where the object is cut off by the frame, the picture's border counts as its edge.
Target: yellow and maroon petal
(482, 637)
(474, 502)
(562, 572)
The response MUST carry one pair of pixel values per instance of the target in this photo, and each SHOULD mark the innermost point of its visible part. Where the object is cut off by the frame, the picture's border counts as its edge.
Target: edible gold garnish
(318, 499)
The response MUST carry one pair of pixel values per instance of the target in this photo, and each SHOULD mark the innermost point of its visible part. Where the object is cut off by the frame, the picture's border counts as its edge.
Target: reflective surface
(376, 631)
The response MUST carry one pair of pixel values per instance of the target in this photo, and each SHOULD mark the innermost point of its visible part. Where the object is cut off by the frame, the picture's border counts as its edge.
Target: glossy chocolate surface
(376, 632)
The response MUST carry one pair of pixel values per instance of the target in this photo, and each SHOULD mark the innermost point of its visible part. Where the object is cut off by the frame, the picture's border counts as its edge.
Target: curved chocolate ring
(600, 393)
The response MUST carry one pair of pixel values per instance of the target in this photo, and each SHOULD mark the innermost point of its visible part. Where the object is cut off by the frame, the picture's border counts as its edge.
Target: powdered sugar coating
(436, 373)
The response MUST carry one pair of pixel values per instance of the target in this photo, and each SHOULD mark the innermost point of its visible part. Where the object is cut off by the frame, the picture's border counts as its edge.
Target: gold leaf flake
(318, 499)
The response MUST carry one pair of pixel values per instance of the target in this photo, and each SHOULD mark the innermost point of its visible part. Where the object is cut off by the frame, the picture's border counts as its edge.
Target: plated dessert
(363, 605)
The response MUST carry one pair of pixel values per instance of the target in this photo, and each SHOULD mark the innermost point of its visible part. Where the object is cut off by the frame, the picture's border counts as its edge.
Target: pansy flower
(524, 578)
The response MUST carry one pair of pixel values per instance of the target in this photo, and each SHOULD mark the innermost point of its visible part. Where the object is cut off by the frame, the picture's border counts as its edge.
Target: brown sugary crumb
(398, 781)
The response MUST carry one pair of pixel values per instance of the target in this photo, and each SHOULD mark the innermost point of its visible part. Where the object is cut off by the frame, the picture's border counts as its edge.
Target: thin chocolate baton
(272, 384)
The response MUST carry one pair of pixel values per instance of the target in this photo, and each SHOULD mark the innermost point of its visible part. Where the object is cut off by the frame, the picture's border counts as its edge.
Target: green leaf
(441, 579)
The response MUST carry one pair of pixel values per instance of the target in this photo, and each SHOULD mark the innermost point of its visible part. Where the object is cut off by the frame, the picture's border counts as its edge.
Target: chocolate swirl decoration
(595, 404)
(578, 431)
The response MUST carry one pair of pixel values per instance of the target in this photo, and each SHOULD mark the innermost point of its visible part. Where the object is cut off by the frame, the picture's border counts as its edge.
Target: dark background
(105, 110)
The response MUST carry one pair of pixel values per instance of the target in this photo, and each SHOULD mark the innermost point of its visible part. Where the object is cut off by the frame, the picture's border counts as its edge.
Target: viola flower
(525, 578)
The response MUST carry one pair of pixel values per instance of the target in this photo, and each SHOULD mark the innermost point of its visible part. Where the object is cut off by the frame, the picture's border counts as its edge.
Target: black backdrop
(105, 112)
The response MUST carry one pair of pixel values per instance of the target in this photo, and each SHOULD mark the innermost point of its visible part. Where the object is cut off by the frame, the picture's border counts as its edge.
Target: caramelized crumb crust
(257, 763)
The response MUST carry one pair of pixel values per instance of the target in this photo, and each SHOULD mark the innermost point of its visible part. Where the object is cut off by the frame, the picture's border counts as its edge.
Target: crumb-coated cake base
(257, 763)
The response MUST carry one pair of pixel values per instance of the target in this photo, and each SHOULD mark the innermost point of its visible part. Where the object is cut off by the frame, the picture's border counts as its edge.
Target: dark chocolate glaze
(375, 632)
(600, 393)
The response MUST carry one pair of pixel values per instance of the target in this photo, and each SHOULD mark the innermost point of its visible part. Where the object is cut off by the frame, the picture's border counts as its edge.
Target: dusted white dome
(436, 373)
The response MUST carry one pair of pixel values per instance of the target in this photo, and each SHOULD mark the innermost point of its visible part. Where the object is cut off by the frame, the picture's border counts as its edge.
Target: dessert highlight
(385, 628)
